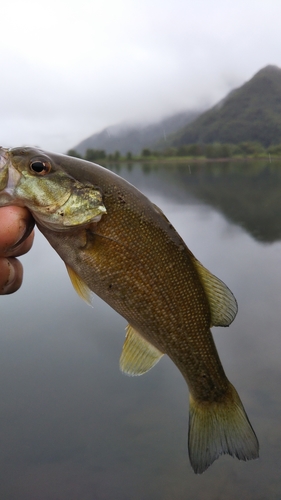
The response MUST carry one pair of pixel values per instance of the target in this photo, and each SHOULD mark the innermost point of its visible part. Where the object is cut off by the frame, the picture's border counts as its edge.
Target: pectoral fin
(80, 286)
(222, 302)
(138, 356)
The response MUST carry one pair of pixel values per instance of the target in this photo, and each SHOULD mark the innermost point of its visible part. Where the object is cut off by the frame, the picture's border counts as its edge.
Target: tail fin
(217, 428)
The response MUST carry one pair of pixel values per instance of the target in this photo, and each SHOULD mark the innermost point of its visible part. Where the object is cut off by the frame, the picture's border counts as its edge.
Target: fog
(69, 69)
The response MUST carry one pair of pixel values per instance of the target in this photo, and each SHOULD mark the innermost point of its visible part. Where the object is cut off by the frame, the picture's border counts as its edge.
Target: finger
(22, 248)
(11, 274)
(15, 223)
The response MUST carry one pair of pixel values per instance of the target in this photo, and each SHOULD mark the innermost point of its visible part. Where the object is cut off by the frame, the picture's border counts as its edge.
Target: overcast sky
(71, 68)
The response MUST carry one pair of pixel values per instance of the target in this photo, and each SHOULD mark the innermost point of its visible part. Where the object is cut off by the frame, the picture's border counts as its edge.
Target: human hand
(15, 226)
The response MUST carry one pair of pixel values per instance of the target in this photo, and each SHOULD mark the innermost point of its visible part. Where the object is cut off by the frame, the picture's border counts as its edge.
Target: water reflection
(247, 193)
(73, 427)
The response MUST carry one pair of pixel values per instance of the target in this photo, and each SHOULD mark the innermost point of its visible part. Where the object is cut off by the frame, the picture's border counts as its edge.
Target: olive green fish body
(160, 294)
(122, 248)
(171, 321)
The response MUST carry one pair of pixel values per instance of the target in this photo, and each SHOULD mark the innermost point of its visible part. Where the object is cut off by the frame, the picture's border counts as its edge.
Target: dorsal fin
(161, 212)
(222, 302)
(138, 355)
(80, 286)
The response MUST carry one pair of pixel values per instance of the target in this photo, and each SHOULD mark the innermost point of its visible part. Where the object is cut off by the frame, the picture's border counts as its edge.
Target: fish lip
(9, 177)
(4, 156)
(4, 168)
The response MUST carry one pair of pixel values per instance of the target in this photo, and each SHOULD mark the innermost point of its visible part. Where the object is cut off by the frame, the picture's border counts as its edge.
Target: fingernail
(10, 279)
(24, 232)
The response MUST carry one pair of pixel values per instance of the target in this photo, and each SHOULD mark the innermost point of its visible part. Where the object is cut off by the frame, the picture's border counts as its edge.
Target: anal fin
(138, 355)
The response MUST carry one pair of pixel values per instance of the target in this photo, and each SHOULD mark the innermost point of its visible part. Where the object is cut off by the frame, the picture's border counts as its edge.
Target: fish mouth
(9, 177)
(4, 168)
(4, 154)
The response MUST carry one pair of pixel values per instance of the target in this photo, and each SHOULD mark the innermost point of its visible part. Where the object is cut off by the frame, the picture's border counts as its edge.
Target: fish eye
(40, 167)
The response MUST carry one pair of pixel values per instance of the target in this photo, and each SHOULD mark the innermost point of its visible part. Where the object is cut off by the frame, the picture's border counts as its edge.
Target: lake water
(74, 428)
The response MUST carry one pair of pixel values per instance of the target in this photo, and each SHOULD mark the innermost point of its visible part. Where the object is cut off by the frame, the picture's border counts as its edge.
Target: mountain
(251, 112)
(134, 138)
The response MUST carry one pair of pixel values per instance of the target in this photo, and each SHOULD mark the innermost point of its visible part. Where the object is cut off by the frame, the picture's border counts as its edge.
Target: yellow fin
(222, 302)
(138, 355)
(218, 428)
(80, 286)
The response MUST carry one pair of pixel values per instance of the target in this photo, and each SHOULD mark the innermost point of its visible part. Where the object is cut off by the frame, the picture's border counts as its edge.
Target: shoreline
(188, 159)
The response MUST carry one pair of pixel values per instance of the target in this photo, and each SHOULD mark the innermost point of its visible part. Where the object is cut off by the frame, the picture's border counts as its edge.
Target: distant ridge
(133, 138)
(251, 112)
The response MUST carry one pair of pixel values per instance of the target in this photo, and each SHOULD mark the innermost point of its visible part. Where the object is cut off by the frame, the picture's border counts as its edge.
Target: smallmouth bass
(117, 244)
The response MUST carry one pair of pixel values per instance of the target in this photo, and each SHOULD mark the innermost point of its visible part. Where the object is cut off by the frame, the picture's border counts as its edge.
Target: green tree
(170, 152)
(194, 150)
(211, 151)
(95, 154)
(74, 153)
(217, 150)
(183, 150)
(146, 152)
(251, 148)
(274, 149)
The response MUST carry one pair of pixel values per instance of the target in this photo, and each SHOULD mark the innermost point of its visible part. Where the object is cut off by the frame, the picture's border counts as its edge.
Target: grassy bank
(189, 153)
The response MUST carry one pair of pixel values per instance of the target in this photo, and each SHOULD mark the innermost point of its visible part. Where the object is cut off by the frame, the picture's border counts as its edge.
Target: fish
(118, 245)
